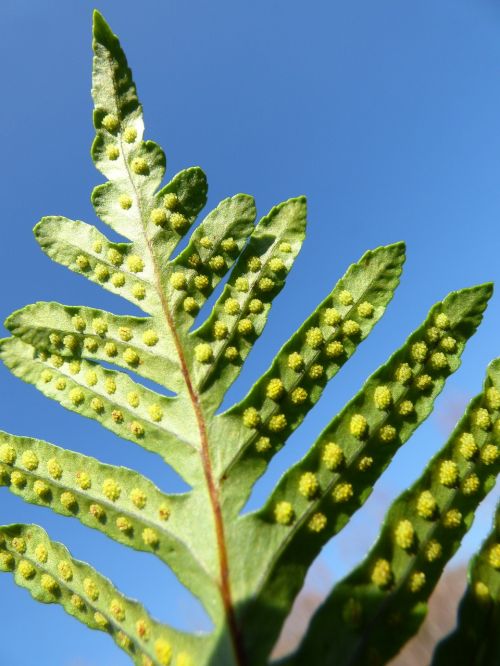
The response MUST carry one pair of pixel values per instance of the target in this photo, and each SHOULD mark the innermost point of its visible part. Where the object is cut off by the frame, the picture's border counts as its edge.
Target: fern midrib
(213, 490)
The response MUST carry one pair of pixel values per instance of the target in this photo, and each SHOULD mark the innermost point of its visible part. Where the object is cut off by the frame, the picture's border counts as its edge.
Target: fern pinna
(246, 569)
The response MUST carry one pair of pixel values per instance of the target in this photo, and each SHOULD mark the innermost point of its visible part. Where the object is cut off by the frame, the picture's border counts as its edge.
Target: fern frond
(85, 250)
(78, 332)
(153, 421)
(240, 313)
(119, 502)
(246, 570)
(316, 498)
(298, 375)
(421, 532)
(475, 639)
(50, 574)
(211, 252)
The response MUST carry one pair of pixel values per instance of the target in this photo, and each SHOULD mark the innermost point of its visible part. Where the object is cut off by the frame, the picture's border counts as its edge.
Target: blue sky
(386, 115)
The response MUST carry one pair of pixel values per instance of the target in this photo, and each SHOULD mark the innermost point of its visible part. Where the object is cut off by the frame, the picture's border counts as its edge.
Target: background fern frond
(475, 639)
(421, 532)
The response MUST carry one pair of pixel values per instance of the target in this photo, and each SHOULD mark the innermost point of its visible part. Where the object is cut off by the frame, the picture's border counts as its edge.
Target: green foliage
(245, 569)
(47, 570)
(421, 532)
(475, 639)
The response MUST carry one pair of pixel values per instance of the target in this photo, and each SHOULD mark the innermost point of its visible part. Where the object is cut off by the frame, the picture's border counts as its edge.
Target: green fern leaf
(315, 499)
(245, 569)
(301, 370)
(422, 530)
(50, 574)
(117, 501)
(475, 639)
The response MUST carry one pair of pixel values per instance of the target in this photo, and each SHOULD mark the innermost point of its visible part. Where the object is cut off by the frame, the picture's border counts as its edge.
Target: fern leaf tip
(100, 27)
(301, 200)
(486, 287)
(399, 247)
(494, 368)
(38, 226)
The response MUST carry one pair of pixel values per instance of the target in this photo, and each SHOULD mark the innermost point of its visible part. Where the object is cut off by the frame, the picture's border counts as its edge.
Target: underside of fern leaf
(245, 569)
(475, 639)
(421, 532)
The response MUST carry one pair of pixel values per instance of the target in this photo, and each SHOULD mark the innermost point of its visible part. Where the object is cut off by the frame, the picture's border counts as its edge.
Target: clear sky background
(385, 114)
